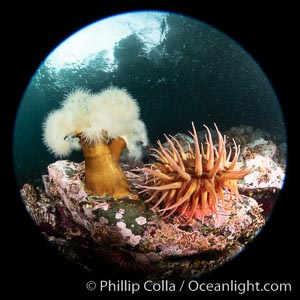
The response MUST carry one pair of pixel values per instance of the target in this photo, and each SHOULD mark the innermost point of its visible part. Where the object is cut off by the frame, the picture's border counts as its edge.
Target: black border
(34, 30)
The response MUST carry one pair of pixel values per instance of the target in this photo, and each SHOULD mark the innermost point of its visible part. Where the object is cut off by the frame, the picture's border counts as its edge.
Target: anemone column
(103, 174)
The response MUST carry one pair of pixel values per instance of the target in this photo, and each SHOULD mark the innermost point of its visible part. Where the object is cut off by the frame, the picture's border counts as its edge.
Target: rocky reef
(124, 237)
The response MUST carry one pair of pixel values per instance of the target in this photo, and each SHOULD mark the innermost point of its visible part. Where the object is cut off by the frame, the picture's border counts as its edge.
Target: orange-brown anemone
(103, 174)
(193, 182)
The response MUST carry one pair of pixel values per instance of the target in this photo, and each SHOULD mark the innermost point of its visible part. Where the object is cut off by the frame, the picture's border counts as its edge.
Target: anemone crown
(98, 118)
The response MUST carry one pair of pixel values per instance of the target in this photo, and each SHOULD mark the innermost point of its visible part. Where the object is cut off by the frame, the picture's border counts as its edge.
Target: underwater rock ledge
(126, 236)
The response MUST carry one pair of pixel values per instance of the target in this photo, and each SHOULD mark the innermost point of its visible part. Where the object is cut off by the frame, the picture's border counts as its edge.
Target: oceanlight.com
(185, 285)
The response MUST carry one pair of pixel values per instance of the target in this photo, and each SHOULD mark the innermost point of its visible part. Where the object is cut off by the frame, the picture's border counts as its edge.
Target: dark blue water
(195, 73)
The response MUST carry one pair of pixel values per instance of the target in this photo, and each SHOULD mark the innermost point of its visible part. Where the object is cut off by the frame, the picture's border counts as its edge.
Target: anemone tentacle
(191, 183)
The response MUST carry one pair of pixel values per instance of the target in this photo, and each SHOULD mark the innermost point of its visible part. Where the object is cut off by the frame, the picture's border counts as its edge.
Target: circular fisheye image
(157, 147)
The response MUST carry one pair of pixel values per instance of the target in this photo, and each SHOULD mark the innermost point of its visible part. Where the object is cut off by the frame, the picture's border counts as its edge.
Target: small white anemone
(136, 138)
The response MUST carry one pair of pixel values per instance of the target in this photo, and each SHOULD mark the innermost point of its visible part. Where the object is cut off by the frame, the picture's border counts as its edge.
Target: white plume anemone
(106, 115)
(102, 124)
